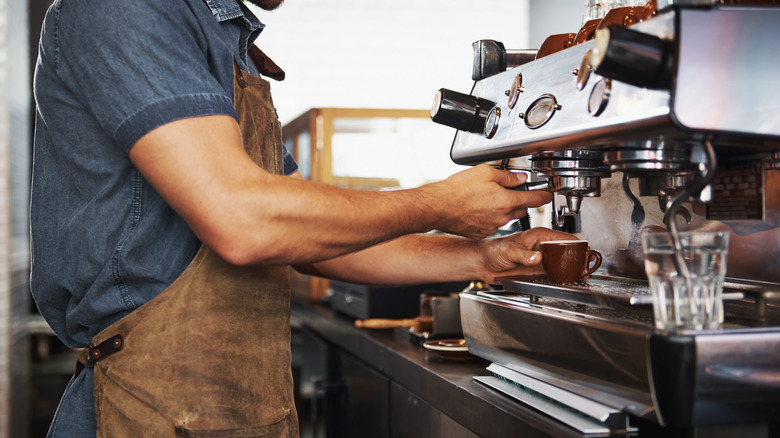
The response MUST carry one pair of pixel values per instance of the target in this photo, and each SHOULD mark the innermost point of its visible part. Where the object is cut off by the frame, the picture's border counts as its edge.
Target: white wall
(550, 17)
(381, 53)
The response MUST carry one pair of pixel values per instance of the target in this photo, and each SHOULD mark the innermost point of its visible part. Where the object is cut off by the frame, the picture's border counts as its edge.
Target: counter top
(447, 385)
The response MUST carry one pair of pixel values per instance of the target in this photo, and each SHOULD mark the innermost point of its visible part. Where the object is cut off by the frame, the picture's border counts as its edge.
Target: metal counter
(447, 386)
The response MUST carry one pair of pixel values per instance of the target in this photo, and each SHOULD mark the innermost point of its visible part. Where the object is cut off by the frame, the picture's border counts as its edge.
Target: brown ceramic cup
(568, 261)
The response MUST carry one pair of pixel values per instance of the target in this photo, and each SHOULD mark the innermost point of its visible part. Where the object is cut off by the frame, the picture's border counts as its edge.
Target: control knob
(460, 111)
(631, 56)
(490, 58)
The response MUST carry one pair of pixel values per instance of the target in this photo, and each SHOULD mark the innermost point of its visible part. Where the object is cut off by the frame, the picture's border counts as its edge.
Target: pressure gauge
(583, 72)
(514, 92)
(491, 122)
(540, 111)
(599, 97)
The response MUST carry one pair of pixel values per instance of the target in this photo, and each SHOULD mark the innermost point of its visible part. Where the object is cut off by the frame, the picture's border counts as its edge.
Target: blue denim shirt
(103, 241)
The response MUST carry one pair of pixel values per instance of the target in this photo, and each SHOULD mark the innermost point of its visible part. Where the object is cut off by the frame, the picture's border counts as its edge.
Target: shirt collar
(229, 9)
(226, 10)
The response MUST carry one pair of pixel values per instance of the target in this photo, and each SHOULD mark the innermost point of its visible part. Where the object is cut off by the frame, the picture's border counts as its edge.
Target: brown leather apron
(209, 356)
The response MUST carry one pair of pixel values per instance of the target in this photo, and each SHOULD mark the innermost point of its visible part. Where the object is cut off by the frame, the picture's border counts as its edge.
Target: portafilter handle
(533, 186)
(525, 221)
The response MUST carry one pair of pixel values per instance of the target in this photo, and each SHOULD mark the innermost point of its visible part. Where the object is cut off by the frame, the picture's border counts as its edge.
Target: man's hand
(475, 202)
(517, 254)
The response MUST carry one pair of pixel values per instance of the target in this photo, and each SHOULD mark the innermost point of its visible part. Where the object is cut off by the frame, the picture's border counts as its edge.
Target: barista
(165, 214)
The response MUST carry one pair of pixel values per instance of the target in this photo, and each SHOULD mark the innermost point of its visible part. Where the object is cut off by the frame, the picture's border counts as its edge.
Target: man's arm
(248, 216)
(431, 258)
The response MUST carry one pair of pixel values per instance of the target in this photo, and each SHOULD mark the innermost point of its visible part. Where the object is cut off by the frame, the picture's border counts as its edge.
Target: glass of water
(599, 8)
(686, 278)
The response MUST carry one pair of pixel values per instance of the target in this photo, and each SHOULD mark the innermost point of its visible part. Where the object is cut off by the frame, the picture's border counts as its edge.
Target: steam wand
(693, 189)
(637, 211)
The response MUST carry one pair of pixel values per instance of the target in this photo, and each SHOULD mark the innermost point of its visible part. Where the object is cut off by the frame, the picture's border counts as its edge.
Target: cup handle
(593, 255)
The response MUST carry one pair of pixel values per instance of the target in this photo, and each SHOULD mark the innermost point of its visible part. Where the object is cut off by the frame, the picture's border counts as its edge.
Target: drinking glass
(686, 279)
(599, 8)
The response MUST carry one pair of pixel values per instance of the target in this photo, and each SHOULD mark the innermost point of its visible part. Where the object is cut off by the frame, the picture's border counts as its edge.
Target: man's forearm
(410, 259)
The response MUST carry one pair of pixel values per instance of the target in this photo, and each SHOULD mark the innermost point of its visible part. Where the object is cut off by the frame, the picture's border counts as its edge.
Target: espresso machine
(667, 114)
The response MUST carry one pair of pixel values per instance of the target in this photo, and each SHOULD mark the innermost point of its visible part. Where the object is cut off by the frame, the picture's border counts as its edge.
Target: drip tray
(598, 290)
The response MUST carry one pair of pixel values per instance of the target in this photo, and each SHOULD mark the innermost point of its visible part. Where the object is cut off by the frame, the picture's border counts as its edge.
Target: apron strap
(264, 64)
(92, 354)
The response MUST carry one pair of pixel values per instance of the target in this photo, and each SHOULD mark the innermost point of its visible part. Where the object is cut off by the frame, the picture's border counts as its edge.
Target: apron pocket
(273, 430)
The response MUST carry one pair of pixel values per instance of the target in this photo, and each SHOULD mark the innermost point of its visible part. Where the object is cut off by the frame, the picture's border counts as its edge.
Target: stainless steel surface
(445, 311)
(734, 68)
(516, 57)
(557, 117)
(578, 352)
(618, 360)
(446, 386)
(725, 90)
(639, 111)
(707, 77)
(585, 415)
(601, 290)
(603, 414)
(730, 367)
(574, 174)
(595, 291)
(681, 128)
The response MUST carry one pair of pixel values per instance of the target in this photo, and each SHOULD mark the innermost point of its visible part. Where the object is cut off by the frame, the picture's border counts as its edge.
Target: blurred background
(339, 54)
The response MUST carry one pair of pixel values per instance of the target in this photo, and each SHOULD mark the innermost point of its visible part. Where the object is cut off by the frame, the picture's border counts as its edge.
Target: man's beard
(268, 5)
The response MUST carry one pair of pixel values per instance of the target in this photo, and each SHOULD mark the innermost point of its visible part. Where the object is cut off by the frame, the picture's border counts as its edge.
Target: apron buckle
(89, 356)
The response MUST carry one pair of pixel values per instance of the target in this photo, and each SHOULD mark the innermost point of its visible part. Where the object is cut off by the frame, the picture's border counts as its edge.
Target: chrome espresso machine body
(669, 114)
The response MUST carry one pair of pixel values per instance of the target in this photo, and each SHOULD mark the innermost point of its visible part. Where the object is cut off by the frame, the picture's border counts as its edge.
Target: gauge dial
(540, 111)
(599, 97)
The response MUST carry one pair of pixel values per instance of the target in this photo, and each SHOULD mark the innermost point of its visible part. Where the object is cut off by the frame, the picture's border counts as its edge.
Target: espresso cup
(568, 261)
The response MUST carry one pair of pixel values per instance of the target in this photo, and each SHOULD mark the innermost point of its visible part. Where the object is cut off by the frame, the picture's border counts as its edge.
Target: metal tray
(600, 290)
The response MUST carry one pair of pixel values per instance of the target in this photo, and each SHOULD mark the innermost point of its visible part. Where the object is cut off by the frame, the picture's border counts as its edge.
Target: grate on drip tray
(604, 291)
(598, 290)
(633, 314)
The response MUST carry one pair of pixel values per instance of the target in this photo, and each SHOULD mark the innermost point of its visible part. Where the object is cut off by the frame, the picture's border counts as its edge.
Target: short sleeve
(290, 166)
(139, 64)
